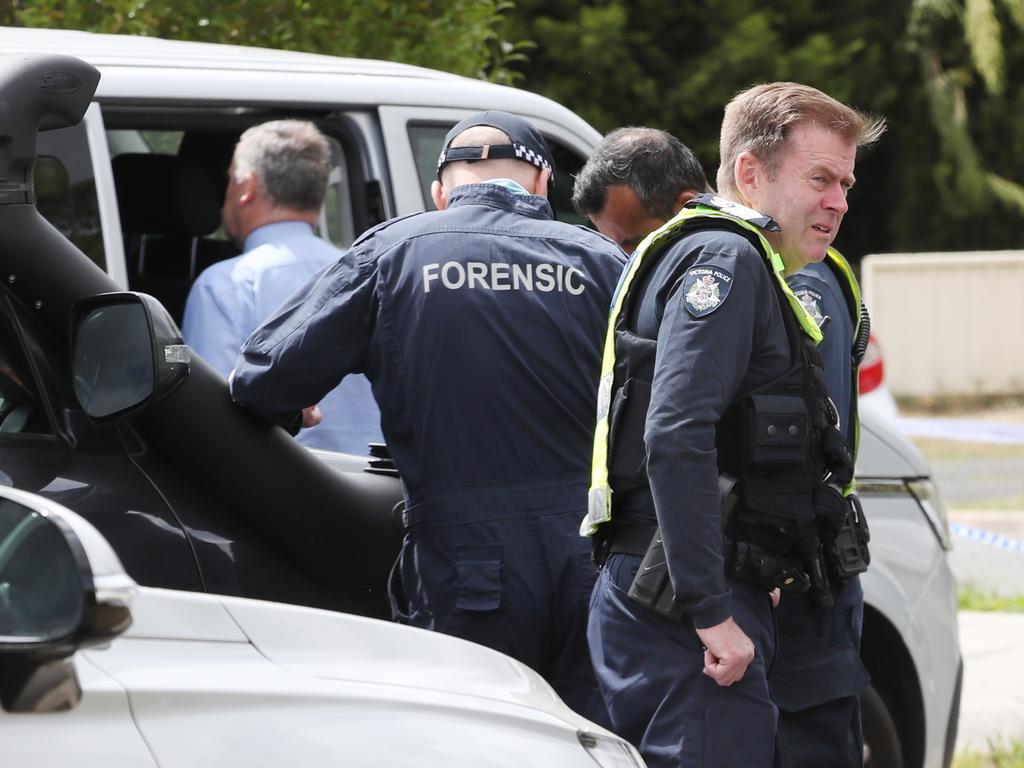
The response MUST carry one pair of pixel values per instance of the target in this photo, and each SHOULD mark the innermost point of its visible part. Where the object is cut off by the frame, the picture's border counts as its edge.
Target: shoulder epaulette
(759, 220)
(383, 225)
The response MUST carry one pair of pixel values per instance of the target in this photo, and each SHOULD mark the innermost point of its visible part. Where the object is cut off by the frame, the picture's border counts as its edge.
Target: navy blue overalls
(479, 328)
(818, 672)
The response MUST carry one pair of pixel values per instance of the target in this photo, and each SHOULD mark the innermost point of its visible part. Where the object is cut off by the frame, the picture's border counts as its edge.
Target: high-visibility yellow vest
(854, 303)
(599, 506)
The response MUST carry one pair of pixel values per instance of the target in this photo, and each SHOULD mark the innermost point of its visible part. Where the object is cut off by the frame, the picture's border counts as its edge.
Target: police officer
(479, 326)
(818, 674)
(636, 180)
(712, 432)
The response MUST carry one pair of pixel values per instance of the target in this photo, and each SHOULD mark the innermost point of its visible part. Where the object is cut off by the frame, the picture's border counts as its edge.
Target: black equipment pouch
(748, 562)
(651, 586)
(777, 432)
(848, 554)
(837, 456)
(627, 461)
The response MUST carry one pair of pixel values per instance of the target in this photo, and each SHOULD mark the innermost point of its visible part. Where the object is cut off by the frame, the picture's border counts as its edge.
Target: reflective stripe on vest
(599, 508)
(844, 273)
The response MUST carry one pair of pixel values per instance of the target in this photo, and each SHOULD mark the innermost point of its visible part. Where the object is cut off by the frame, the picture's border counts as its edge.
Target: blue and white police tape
(989, 537)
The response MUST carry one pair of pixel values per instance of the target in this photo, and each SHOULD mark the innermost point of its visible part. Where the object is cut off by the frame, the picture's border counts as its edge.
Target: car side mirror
(126, 352)
(61, 588)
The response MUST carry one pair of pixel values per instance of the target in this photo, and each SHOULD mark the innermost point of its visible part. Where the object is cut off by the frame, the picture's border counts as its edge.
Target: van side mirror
(61, 588)
(126, 352)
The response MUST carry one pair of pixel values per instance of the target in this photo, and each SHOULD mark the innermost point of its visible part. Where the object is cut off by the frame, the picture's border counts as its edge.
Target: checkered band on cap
(527, 154)
(514, 150)
(524, 142)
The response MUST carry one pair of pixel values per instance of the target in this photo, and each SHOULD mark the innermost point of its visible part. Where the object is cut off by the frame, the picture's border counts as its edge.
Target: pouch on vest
(777, 432)
(848, 553)
(627, 461)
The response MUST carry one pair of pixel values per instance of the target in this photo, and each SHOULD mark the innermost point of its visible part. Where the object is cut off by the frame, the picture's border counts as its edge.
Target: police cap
(527, 142)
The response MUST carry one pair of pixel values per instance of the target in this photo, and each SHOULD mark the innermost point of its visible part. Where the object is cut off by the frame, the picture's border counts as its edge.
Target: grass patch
(1001, 754)
(956, 405)
(970, 598)
(1000, 504)
(935, 449)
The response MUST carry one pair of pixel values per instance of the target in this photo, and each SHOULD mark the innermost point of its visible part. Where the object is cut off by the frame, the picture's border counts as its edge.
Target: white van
(137, 187)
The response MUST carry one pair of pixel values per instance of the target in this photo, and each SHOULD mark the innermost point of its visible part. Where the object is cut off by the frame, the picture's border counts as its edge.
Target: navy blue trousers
(816, 679)
(520, 585)
(650, 671)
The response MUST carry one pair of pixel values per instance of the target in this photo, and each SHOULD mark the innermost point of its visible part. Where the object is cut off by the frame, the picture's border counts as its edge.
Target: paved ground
(992, 705)
(988, 554)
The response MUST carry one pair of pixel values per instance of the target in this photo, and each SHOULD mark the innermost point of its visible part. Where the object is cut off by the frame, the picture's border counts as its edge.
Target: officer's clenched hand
(727, 652)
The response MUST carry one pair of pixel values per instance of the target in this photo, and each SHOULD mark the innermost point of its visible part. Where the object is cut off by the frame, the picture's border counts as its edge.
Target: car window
(170, 172)
(427, 140)
(66, 189)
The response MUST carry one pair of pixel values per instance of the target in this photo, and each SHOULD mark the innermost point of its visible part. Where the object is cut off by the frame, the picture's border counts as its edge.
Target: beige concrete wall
(948, 323)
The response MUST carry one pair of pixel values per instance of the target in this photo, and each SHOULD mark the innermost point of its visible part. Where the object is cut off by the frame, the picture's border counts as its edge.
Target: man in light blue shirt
(276, 185)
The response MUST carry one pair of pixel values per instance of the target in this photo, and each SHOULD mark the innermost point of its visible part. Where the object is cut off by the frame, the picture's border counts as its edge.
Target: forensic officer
(714, 432)
(479, 326)
(818, 674)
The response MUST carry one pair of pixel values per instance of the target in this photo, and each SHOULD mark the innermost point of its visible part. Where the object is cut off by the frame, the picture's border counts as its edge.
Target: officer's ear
(750, 176)
(541, 185)
(438, 195)
(684, 197)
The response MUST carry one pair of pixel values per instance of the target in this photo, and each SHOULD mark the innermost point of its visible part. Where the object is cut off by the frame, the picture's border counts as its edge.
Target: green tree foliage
(944, 176)
(455, 35)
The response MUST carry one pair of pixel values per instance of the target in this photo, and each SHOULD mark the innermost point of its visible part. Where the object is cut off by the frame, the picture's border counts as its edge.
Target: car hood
(340, 646)
(885, 453)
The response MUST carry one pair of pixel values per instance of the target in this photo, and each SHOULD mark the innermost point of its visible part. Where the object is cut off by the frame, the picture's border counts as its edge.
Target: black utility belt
(826, 556)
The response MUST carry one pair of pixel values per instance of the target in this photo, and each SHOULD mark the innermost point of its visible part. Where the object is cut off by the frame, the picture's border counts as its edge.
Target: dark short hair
(654, 164)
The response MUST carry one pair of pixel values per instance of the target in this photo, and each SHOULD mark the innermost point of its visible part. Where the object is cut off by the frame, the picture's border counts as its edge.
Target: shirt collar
(500, 196)
(276, 232)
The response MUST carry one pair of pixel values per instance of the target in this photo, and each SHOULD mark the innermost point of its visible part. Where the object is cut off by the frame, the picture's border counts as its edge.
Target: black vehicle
(192, 492)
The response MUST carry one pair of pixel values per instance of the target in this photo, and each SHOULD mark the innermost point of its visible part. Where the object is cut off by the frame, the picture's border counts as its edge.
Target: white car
(201, 680)
(208, 509)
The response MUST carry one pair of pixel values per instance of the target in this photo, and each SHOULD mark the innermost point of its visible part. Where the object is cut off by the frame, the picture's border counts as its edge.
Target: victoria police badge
(812, 303)
(705, 288)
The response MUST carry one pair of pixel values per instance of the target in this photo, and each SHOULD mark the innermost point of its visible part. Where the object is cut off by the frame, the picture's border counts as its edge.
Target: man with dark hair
(480, 326)
(276, 185)
(715, 439)
(635, 181)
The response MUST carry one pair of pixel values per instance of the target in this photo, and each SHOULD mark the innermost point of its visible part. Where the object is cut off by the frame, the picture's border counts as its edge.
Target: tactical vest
(861, 331)
(789, 407)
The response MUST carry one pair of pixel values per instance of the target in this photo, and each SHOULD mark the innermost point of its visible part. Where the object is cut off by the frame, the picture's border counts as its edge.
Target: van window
(66, 189)
(336, 221)
(427, 140)
(160, 142)
(170, 172)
